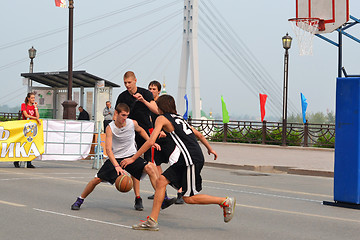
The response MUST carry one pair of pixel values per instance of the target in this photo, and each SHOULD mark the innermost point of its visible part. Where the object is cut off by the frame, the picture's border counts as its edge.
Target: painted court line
(267, 188)
(12, 204)
(86, 219)
(266, 194)
(299, 213)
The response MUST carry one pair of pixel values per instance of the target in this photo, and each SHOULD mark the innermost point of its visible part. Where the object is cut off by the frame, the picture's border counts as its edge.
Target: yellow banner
(21, 140)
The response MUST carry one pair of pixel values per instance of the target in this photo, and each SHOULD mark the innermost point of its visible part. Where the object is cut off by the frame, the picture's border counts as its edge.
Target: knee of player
(188, 200)
(161, 181)
(96, 180)
(150, 169)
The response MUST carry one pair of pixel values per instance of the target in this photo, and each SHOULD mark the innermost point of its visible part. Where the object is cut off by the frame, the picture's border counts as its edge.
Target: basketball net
(305, 29)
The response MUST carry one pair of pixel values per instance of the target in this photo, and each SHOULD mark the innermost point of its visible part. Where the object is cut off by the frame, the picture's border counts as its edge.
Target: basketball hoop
(305, 29)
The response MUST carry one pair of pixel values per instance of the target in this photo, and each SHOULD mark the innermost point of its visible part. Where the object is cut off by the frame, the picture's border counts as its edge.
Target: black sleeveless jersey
(185, 139)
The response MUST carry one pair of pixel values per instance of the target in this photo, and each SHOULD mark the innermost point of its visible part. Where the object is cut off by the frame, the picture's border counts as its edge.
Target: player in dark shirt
(164, 140)
(141, 103)
(185, 165)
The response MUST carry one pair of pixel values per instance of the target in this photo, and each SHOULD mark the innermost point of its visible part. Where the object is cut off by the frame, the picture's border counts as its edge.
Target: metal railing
(315, 135)
(10, 116)
(297, 134)
(68, 141)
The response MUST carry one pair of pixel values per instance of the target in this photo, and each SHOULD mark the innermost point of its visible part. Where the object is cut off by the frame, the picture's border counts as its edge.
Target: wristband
(117, 166)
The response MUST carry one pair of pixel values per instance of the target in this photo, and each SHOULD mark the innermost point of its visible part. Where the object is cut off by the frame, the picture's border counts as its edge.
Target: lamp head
(286, 40)
(32, 53)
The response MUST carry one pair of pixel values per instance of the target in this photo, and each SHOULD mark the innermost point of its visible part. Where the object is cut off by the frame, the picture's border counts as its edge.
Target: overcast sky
(155, 54)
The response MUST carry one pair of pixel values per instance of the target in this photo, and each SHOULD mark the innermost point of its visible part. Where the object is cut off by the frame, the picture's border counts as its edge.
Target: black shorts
(178, 175)
(139, 142)
(107, 172)
(167, 148)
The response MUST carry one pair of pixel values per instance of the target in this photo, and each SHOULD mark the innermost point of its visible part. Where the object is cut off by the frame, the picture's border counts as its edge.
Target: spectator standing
(29, 111)
(108, 114)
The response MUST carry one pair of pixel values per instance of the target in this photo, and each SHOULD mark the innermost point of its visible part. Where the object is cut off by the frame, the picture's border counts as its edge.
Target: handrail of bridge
(255, 132)
(297, 134)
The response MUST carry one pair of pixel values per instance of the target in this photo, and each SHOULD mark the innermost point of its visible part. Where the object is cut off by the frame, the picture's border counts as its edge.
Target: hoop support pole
(348, 35)
(327, 39)
(355, 19)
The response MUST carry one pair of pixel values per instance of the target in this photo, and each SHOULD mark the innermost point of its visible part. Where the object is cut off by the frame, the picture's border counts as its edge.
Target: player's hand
(162, 134)
(139, 97)
(119, 170)
(35, 104)
(156, 146)
(126, 162)
(38, 120)
(213, 152)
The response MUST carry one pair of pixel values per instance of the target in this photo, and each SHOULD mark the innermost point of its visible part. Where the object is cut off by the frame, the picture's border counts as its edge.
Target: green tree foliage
(318, 117)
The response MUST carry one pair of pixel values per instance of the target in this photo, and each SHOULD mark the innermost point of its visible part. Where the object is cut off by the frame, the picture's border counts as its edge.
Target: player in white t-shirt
(120, 144)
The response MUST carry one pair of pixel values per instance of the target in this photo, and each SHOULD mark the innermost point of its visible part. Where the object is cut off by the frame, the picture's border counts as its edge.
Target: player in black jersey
(164, 140)
(186, 164)
(141, 103)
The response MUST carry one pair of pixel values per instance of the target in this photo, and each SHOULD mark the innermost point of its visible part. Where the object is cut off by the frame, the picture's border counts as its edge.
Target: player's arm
(109, 152)
(142, 133)
(151, 105)
(205, 142)
(150, 142)
(140, 130)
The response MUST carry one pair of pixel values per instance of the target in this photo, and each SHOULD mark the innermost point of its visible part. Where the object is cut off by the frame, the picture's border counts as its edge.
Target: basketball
(123, 183)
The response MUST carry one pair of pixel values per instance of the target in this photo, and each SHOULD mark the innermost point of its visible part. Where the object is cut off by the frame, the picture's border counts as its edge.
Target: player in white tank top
(120, 143)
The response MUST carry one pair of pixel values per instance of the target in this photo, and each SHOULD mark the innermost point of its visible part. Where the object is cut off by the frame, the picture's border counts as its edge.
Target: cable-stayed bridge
(161, 23)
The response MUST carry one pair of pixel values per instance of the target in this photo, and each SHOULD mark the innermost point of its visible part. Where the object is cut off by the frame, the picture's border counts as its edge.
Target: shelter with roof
(87, 86)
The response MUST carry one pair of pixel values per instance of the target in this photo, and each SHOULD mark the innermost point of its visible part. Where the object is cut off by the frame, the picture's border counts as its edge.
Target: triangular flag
(60, 3)
(186, 115)
(225, 113)
(263, 98)
(304, 105)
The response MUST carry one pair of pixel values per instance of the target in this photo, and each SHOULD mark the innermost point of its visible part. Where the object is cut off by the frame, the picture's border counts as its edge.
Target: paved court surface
(35, 204)
(272, 158)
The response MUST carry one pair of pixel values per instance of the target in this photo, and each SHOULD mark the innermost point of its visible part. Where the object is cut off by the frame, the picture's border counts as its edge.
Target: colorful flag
(187, 107)
(263, 98)
(225, 113)
(60, 3)
(304, 105)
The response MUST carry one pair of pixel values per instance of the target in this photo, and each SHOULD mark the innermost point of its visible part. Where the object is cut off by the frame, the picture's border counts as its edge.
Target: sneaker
(138, 204)
(151, 197)
(150, 224)
(179, 199)
(77, 204)
(229, 208)
(29, 165)
(16, 164)
(168, 202)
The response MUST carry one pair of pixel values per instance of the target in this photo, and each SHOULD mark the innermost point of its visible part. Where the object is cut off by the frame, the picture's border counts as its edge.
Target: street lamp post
(32, 54)
(70, 105)
(286, 40)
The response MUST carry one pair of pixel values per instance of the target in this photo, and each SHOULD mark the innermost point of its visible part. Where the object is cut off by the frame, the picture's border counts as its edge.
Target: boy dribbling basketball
(120, 144)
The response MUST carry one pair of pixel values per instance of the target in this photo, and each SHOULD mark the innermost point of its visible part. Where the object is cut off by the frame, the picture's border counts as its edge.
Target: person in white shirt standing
(108, 114)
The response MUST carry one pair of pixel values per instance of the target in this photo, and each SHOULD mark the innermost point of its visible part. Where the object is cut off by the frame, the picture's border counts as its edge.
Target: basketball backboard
(332, 13)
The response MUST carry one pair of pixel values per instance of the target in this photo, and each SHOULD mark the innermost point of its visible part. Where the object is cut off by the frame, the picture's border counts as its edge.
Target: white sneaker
(150, 224)
(229, 208)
